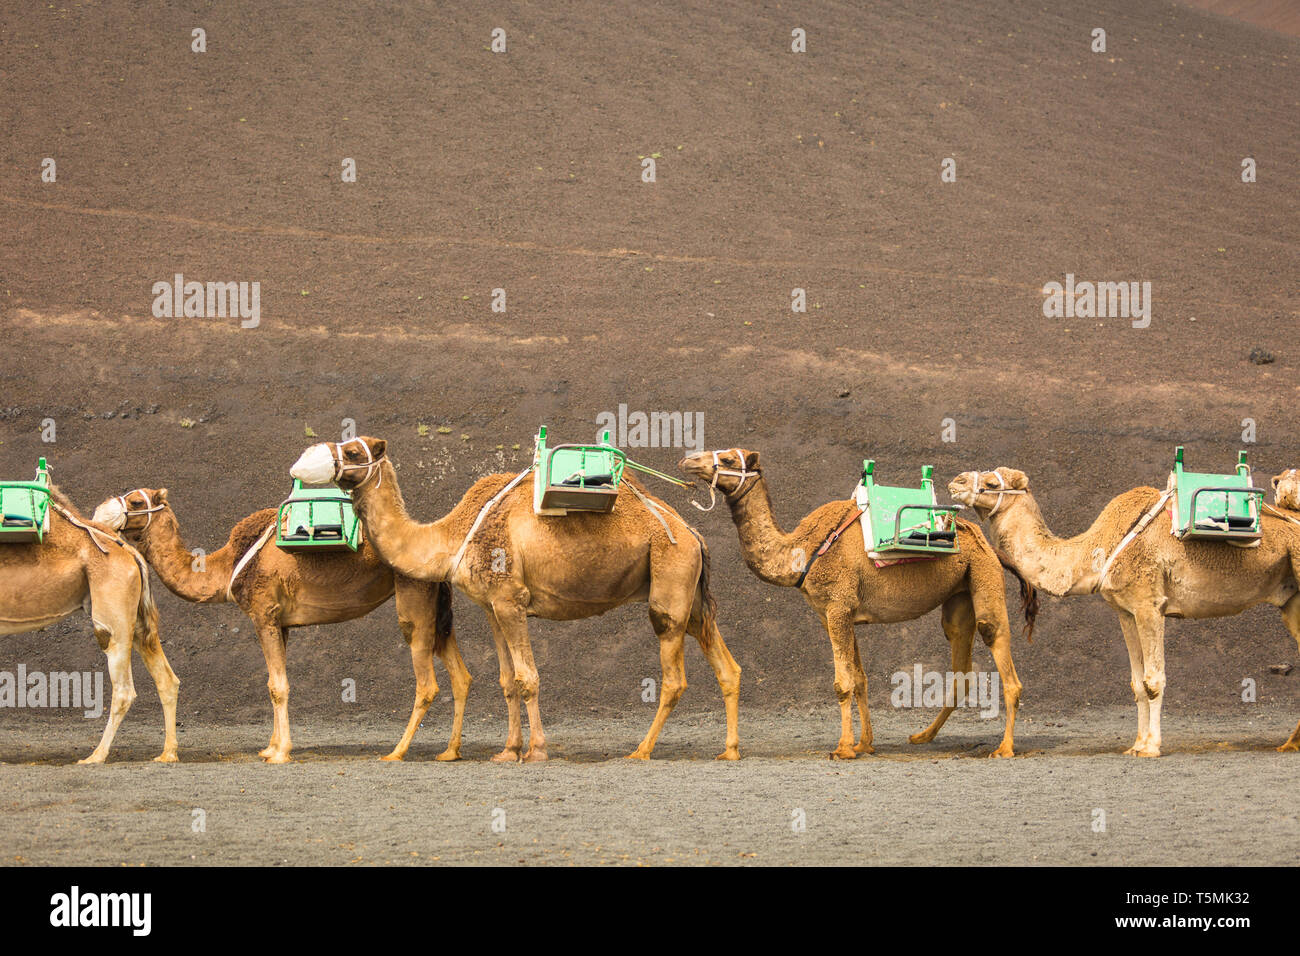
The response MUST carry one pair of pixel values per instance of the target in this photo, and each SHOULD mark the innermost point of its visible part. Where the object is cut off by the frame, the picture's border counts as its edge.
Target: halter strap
(1002, 488)
(149, 508)
(744, 474)
(371, 462)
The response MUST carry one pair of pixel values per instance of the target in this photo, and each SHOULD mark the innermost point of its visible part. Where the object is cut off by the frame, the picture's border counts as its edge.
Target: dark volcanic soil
(521, 171)
(1220, 796)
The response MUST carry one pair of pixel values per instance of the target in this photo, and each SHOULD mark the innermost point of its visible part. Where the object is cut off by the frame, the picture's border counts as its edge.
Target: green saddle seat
(570, 478)
(902, 521)
(25, 508)
(318, 518)
(1216, 507)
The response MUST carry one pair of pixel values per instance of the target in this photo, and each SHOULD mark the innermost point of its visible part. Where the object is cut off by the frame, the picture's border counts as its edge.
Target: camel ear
(1275, 481)
(1015, 479)
(378, 446)
(162, 495)
(751, 460)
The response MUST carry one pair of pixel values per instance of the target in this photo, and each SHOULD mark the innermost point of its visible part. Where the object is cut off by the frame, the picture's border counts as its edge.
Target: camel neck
(769, 552)
(411, 548)
(1058, 566)
(201, 579)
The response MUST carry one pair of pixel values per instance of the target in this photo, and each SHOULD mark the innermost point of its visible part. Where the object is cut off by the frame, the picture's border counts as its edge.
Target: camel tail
(146, 613)
(443, 621)
(708, 605)
(1028, 594)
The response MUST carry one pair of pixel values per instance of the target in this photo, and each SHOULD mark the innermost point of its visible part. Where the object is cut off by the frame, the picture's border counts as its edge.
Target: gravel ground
(1221, 795)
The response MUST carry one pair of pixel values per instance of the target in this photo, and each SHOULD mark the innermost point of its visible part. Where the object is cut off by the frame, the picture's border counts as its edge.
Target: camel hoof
(1003, 751)
(922, 738)
(731, 753)
(507, 756)
(534, 756)
(278, 758)
(1136, 751)
(1289, 747)
(864, 749)
(637, 755)
(843, 753)
(167, 756)
(91, 759)
(266, 752)
(448, 755)
(394, 756)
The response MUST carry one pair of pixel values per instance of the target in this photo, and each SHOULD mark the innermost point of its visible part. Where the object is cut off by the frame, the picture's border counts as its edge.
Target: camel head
(727, 470)
(1286, 489)
(349, 464)
(987, 491)
(131, 513)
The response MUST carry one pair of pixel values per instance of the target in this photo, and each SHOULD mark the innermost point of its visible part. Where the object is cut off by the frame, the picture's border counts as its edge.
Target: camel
(1153, 577)
(845, 588)
(78, 565)
(515, 565)
(280, 589)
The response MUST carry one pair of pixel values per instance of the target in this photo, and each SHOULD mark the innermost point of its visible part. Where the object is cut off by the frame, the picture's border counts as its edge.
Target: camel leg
(513, 621)
(273, 639)
(460, 682)
(727, 672)
(506, 669)
(863, 745)
(168, 684)
(672, 664)
(419, 637)
(1291, 615)
(839, 625)
(114, 634)
(998, 638)
(1151, 636)
(1128, 626)
(959, 627)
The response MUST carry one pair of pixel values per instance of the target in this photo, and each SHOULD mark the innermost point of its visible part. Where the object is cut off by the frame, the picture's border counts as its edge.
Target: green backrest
(554, 465)
(886, 500)
(24, 504)
(1216, 505)
(310, 507)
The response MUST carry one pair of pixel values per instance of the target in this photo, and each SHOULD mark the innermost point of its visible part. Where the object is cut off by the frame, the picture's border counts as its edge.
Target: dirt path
(1221, 796)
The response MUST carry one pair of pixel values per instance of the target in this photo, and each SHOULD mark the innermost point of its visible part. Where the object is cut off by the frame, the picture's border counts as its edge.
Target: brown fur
(626, 556)
(281, 589)
(846, 589)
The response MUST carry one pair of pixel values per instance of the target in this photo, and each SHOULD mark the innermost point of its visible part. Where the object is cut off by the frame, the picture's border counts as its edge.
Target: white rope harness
(718, 470)
(974, 477)
(248, 556)
(148, 509)
(464, 545)
(370, 464)
(653, 508)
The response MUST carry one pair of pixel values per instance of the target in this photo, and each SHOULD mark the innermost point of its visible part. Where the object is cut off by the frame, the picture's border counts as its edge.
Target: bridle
(370, 464)
(974, 477)
(740, 490)
(128, 512)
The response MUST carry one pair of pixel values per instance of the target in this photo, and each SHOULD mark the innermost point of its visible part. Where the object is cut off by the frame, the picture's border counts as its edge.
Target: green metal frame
(317, 518)
(1223, 507)
(885, 507)
(25, 508)
(576, 477)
